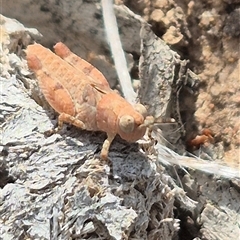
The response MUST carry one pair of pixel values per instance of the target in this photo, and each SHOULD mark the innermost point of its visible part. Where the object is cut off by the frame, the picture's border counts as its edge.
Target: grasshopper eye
(141, 109)
(126, 123)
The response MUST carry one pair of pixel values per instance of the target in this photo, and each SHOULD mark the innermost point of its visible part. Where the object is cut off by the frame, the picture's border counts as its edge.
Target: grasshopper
(82, 96)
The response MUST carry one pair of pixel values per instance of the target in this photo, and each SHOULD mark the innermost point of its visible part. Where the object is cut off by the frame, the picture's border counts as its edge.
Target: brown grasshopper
(82, 96)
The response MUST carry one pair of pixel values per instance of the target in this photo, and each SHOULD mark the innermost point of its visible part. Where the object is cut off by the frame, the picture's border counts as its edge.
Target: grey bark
(57, 188)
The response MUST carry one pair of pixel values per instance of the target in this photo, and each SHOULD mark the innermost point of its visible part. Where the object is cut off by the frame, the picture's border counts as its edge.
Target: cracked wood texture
(163, 77)
(56, 188)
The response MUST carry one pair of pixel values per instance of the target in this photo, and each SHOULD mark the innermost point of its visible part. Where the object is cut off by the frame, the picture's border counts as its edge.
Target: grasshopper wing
(53, 90)
(84, 67)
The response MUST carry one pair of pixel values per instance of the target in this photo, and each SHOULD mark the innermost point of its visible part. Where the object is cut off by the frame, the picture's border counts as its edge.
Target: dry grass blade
(117, 51)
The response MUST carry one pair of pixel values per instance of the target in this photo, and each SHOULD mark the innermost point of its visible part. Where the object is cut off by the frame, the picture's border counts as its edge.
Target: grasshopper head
(132, 126)
(126, 123)
(141, 109)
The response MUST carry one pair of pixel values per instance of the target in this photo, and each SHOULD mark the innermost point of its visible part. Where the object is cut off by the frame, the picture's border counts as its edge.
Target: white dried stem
(110, 23)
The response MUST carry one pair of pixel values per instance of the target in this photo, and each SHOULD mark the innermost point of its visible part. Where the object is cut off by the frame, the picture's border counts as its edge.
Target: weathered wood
(61, 189)
(56, 187)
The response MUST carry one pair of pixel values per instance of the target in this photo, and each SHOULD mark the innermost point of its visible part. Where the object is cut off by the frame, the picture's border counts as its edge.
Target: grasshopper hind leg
(64, 117)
